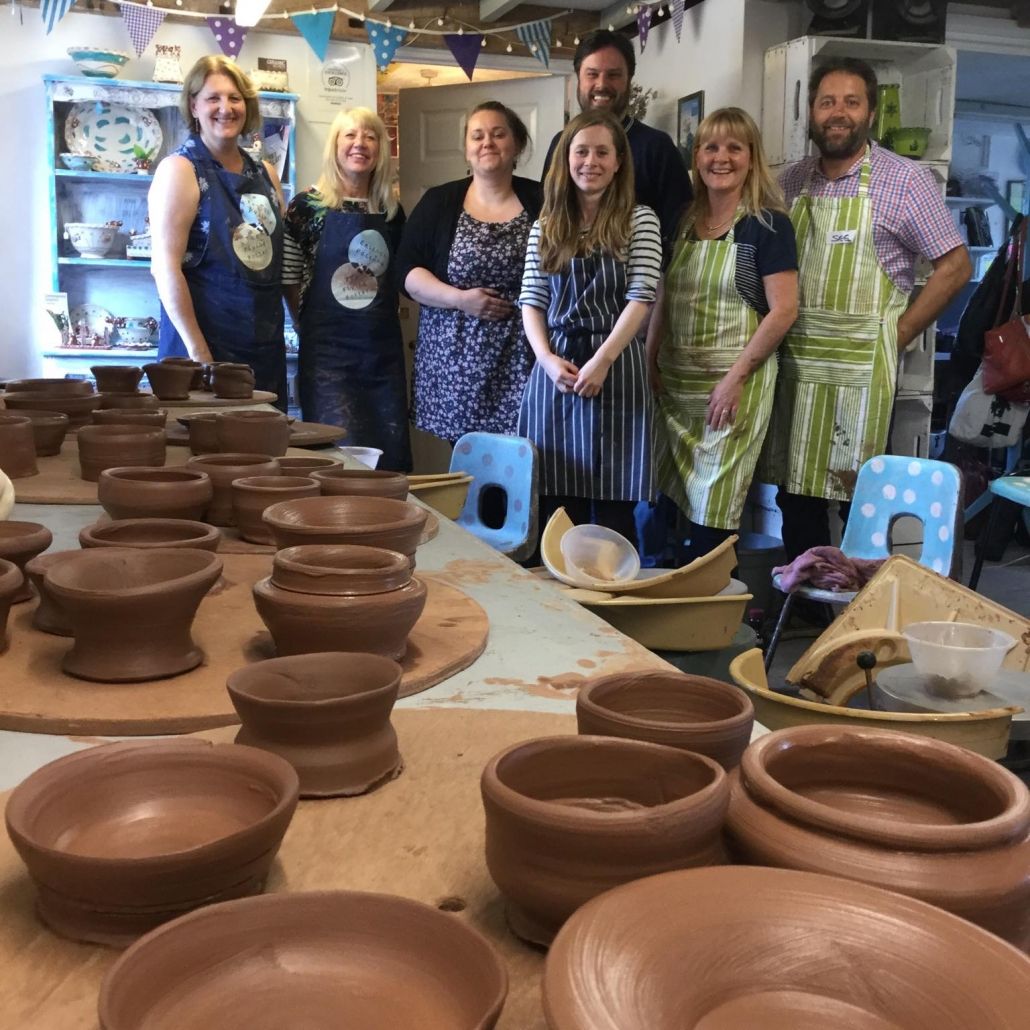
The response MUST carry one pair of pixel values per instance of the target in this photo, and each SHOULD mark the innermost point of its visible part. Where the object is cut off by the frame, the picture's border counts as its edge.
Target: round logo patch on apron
(253, 246)
(368, 250)
(257, 211)
(354, 287)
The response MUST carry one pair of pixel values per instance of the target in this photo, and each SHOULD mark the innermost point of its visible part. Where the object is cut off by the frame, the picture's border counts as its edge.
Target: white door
(431, 135)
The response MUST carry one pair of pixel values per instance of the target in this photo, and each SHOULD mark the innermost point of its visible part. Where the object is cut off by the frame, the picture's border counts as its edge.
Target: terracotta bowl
(157, 493)
(369, 521)
(11, 579)
(339, 570)
(20, 541)
(76, 406)
(130, 417)
(144, 401)
(303, 466)
(349, 959)
(362, 482)
(122, 837)
(253, 494)
(694, 713)
(197, 382)
(48, 430)
(17, 446)
(117, 378)
(735, 948)
(149, 533)
(103, 447)
(223, 469)
(255, 432)
(54, 387)
(203, 430)
(131, 610)
(48, 616)
(169, 382)
(327, 714)
(570, 817)
(232, 380)
(894, 810)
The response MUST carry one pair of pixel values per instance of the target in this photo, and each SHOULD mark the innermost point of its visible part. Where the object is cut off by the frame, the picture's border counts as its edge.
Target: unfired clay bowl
(131, 610)
(169, 382)
(154, 493)
(327, 714)
(740, 948)
(694, 713)
(48, 430)
(197, 382)
(76, 406)
(203, 429)
(254, 432)
(11, 579)
(130, 417)
(48, 616)
(17, 446)
(122, 837)
(304, 465)
(150, 533)
(117, 378)
(253, 494)
(104, 447)
(310, 959)
(362, 482)
(570, 817)
(895, 810)
(138, 401)
(53, 386)
(20, 541)
(223, 469)
(232, 381)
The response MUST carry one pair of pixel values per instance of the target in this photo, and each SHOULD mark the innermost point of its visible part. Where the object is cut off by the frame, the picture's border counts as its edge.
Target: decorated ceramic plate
(109, 132)
(93, 315)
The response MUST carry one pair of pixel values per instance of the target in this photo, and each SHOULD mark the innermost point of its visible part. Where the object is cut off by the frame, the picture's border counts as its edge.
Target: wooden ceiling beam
(375, 6)
(492, 10)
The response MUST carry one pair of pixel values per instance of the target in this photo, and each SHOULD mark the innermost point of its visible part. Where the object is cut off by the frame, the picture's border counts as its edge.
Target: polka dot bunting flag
(228, 35)
(385, 41)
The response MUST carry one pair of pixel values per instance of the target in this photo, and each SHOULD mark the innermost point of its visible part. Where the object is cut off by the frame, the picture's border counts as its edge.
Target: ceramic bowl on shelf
(91, 240)
(78, 162)
(98, 62)
(137, 331)
(911, 141)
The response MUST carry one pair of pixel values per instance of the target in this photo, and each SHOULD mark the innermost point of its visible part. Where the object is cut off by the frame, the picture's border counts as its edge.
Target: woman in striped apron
(730, 295)
(592, 267)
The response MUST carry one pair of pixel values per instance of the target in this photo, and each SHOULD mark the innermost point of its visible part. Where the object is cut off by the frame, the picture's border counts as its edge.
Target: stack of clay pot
(72, 397)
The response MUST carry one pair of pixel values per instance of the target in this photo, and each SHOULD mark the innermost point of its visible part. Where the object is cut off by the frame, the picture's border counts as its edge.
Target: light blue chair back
(508, 462)
(891, 486)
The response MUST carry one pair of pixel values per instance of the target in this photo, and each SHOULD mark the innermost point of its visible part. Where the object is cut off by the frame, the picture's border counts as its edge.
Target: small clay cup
(19, 542)
(340, 598)
(223, 469)
(203, 430)
(104, 447)
(232, 381)
(251, 496)
(694, 713)
(76, 406)
(130, 417)
(48, 616)
(327, 714)
(197, 382)
(117, 378)
(895, 810)
(362, 482)
(252, 432)
(11, 579)
(169, 382)
(305, 465)
(137, 401)
(122, 837)
(568, 818)
(155, 493)
(131, 610)
(53, 386)
(17, 447)
(151, 533)
(48, 430)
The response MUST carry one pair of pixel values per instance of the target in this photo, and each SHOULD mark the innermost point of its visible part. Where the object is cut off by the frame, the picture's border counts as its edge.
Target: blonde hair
(380, 186)
(217, 64)
(760, 194)
(560, 238)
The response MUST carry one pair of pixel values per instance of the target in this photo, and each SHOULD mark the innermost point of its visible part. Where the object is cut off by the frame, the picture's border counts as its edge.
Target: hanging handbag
(986, 421)
(1006, 361)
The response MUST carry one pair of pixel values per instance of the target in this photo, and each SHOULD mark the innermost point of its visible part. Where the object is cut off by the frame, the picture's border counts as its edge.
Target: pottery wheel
(36, 696)
(302, 434)
(420, 836)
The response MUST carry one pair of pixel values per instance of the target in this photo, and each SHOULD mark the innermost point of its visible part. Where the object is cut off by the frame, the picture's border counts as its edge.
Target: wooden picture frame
(689, 112)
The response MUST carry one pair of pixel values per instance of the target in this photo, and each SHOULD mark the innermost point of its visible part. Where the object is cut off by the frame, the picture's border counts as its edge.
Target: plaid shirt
(909, 214)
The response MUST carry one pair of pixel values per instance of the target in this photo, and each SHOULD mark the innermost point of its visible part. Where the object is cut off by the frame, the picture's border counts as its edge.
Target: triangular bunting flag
(316, 29)
(52, 11)
(643, 25)
(385, 40)
(228, 35)
(677, 17)
(465, 49)
(142, 22)
(537, 36)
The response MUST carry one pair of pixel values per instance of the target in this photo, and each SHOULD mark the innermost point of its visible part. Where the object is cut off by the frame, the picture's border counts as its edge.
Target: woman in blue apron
(592, 268)
(338, 276)
(216, 225)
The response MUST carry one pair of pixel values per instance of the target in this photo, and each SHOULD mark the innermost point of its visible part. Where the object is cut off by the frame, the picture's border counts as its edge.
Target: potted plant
(143, 158)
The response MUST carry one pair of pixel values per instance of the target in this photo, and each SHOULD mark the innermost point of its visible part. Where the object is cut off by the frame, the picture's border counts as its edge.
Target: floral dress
(470, 373)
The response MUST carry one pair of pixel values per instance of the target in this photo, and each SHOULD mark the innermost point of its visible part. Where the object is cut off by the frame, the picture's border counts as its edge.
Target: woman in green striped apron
(730, 295)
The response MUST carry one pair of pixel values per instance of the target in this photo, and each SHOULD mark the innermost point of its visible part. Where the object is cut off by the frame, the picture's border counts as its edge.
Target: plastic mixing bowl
(958, 659)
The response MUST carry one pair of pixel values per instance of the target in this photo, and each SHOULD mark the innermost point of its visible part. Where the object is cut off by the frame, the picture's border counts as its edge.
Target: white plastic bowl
(959, 659)
(366, 455)
(596, 555)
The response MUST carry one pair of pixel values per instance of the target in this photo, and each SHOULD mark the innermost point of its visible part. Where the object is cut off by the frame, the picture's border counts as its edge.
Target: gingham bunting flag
(537, 36)
(644, 25)
(385, 40)
(677, 17)
(228, 35)
(52, 11)
(142, 22)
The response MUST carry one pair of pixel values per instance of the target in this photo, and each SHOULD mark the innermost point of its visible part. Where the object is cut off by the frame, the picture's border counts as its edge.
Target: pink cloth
(827, 568)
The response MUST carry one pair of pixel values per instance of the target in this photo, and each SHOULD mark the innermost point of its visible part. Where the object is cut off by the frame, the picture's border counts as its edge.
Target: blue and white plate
(109, 131)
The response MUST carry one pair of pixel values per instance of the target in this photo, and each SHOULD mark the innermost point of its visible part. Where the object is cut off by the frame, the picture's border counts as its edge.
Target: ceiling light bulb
(508, 48)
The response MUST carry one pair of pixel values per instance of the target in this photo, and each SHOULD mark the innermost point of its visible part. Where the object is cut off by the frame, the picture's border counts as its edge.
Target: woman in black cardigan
(461, 258)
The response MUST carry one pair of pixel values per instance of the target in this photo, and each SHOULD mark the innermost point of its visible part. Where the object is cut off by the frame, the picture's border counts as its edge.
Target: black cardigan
(429, 230)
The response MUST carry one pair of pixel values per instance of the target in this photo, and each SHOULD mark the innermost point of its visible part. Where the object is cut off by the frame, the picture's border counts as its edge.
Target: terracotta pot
(11, 579)
(117, 378)
(48, 616)
(140, 401)
(20, 541)
(251, 496)
(232, 381)
(161, 493)
(368, 521)
(48, 430)
(694, 713)
(169, 382)
(896, 810)
(197, 382)
(304, 465)
(203, 430)
(17, 447)
(104, 447)
(568, 818)
(131, 610)
(362, 482)
(53, 387)
(223, 469)
(254, 432)
(340, 598)
(151, 533)
(76, 406)
(122, 837)
(327, 714)
(130, 417)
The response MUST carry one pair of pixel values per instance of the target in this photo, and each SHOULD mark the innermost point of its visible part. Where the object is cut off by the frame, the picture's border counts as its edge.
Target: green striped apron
(707, 471)
(839, 362)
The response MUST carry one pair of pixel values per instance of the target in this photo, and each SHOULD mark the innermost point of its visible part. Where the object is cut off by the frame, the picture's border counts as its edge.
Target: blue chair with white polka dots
(890, 487)
(504, 479)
